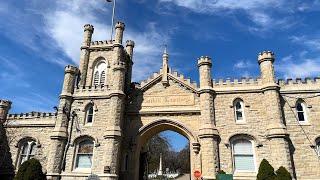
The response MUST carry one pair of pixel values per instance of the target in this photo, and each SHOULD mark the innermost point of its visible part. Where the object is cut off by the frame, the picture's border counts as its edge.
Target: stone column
(85, 53)
(276, 129)
(119, 32)
(6, 167)
(208, 132)
(60, 132)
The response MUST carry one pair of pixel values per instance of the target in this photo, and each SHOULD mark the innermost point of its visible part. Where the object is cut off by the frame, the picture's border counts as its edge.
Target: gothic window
(89, 113)
(301, 111)
(318, 146)
(243, 156)
(27, 151)
(84, 155)
(99, 74)
(239, 110)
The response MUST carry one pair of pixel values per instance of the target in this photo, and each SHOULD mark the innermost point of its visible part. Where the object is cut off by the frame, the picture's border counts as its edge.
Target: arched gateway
(157, 126)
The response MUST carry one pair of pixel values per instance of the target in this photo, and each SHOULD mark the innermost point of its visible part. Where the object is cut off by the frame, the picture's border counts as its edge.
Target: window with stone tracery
(99, 74)
(27, 151)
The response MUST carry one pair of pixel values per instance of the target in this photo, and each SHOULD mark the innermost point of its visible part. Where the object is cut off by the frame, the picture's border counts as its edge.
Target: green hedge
(30, 170)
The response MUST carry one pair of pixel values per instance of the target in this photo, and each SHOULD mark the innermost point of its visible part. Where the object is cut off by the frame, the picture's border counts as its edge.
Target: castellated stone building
(103, 120)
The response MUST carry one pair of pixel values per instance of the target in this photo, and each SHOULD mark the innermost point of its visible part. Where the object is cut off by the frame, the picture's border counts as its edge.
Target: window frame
(304, 111)
(76, 153)
(30, 144)
(237, 120)
(89, 106)
(317, 147)
(97, 73)
(233, 142)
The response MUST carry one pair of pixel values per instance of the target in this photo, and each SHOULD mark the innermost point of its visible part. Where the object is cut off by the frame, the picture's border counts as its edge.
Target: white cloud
(313, 43)
(243, 64)
(260, 12)
(306, 68)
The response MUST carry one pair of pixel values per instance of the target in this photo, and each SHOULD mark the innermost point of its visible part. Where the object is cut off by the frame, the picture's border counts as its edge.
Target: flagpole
(112, 20)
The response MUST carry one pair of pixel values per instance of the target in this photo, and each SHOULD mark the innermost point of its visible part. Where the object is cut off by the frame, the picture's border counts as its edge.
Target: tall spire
(165, 67)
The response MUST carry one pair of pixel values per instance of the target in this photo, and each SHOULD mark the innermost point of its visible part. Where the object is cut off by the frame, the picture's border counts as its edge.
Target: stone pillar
(129, 49)
(119, 32)
(276, 129)
(208, 133)
(60, 132)
(84, 55)
(6, 167)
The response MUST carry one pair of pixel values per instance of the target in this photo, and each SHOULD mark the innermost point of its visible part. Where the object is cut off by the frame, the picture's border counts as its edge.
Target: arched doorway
(148, 131)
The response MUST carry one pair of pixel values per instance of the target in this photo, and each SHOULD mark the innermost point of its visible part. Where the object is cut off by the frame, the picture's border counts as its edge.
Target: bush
(283, 174)
(266, 171)
(30, 170)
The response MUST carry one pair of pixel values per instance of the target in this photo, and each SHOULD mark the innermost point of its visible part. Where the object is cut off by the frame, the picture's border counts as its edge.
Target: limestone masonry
(103, 120)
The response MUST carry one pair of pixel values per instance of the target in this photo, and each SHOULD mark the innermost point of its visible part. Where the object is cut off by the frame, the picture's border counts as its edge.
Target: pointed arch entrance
(146, 132)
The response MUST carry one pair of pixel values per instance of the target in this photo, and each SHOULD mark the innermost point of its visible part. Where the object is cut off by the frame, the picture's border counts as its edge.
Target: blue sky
(38, 38)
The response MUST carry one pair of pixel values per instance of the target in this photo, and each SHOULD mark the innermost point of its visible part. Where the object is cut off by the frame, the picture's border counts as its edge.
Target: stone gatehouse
(103, 120)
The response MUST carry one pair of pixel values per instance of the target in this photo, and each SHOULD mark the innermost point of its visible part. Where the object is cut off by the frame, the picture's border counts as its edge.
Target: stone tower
(208, 132)
(101, 82)
(276, 130)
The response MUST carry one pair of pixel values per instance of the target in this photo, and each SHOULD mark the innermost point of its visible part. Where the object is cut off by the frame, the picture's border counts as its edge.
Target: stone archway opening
(153, 130)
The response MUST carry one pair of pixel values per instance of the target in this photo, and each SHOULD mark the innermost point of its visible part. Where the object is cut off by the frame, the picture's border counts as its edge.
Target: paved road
(184, 177)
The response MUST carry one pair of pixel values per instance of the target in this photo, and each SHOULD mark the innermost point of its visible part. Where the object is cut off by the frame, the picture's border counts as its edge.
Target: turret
(87, 36)
(265, 60)
(119, 27)
(70, 74)
(204, 65)
(129, 49)
(84, 56)
(5, 105)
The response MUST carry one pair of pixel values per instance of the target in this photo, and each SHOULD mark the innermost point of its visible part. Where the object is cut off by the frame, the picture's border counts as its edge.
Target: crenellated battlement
(32, 115)
(130, 43)
(71, 69)
(266, 56)
(204, 60)
(88, 27)
(5, 103)
(237, 82)
(100, 43)
(120, 25)
(297, 81)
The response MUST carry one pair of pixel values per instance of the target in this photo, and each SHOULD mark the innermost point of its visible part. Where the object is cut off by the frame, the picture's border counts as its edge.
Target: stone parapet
(237, 82)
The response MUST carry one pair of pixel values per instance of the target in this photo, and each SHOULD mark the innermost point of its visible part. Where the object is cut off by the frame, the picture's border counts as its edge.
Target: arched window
(99, 74)
(318, 146)
(84, 154)
(243, 156)
(27, 151)
(89, 114)
(239, 110)
(301, 111)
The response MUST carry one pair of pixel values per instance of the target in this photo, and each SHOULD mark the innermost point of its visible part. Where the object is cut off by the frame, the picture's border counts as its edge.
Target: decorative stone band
(208, 89)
